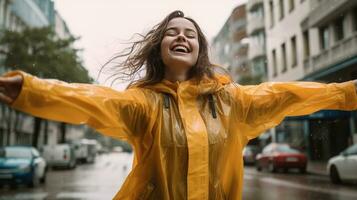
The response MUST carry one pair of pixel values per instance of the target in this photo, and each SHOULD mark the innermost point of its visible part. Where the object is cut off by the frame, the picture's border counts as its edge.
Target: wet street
(293, 186)
(103, 179)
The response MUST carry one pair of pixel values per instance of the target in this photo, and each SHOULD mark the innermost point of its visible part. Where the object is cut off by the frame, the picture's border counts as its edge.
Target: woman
(186, 123)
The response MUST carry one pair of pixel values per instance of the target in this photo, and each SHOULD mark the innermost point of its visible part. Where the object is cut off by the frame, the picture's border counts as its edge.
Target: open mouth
(180, 49)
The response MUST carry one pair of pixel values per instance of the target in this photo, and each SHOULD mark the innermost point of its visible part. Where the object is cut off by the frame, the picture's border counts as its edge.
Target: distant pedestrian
(186, 120)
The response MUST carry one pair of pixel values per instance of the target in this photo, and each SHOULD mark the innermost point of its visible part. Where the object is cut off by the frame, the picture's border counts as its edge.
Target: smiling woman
(159, 53)
(187, 123)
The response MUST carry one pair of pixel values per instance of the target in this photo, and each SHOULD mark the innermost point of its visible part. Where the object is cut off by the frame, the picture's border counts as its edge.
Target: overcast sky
(104, 25)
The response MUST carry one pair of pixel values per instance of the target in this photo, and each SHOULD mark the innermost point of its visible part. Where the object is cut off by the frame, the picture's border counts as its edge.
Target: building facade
(230, 47)
(257, 43)
(313, 40)
(15, 15)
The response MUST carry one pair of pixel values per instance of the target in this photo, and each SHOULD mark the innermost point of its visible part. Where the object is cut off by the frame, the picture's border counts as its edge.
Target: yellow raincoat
(184, 147)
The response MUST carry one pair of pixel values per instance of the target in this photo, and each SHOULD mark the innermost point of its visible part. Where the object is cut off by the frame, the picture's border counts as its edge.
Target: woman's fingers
(5, 99)
(10, 88)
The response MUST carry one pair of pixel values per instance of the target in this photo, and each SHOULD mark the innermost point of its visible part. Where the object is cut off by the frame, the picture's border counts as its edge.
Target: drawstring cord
(211, 105)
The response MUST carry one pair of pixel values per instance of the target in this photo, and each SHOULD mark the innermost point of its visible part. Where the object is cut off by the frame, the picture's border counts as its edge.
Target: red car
(281, 156)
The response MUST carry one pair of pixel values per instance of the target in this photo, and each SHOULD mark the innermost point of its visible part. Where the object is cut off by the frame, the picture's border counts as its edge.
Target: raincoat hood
(192, 87)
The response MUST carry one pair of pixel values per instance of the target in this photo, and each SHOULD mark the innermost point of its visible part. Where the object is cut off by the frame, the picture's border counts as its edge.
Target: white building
(257, 44)
(314, 40)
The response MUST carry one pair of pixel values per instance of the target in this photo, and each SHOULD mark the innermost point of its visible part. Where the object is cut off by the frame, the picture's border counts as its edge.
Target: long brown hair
(144, 54)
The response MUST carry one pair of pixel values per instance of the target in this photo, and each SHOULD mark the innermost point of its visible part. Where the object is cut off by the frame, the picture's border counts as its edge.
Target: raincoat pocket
(146, 193)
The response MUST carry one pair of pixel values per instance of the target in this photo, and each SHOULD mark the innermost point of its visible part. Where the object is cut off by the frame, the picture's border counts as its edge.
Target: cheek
(196, 49)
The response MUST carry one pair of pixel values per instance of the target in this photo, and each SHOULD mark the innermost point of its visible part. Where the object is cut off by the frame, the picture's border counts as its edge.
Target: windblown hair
(145, 54)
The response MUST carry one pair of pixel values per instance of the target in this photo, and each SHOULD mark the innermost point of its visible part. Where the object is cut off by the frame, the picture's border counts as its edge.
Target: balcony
(255, 24)
(256, 51)
(341, 51)
(323, 11)
(252, 4)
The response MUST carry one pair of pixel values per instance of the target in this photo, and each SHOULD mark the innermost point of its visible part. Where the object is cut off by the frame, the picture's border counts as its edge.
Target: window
(283, 57)
(338, 29)
(291, 5)
(275, 67)
(306, 44)
(293, 52)
(271, 6)
(281, 16)
(324, 37)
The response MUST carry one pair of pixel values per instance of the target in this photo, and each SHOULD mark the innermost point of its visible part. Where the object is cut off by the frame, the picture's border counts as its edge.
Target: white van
(85, 150)
(59, 155)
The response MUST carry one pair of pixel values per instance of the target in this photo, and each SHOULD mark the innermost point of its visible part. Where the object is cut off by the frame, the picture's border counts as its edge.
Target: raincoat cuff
(350, 90)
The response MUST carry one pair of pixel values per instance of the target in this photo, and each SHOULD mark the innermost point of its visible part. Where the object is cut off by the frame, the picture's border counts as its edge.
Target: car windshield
(15, 153)
(352, 149)
(286, 149)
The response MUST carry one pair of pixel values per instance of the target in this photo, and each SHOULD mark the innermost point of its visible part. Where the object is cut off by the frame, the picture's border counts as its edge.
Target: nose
(181, 37)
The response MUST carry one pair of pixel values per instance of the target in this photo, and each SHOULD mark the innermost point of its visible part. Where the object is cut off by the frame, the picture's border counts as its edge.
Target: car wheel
(334, 175)
(271, 167)
(43, 178)
(302, 170)
(285, 170)
(258, 167)
(72, 165)
(35, 181)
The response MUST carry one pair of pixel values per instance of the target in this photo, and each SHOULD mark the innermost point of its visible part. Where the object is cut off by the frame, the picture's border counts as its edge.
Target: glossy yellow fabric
(182, 152)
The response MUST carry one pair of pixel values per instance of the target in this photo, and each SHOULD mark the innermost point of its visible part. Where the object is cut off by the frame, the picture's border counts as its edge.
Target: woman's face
(180, 47)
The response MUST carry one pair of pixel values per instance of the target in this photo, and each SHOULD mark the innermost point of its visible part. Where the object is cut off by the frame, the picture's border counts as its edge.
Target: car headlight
(24, 168)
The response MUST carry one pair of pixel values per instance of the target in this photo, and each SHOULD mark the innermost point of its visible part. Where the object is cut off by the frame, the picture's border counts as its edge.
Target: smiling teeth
(178, 48)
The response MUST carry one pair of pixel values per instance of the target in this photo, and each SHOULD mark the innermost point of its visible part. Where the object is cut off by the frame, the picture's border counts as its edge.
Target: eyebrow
(186, 29)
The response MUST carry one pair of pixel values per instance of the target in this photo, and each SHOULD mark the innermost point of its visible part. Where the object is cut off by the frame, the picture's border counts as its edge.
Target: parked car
(22, 165)
(281, 156)
(249, 154)
(85, 150)
(344, 166)
(60, 155)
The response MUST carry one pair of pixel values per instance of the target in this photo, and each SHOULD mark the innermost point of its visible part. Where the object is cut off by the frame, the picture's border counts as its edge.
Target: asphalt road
(103, 179)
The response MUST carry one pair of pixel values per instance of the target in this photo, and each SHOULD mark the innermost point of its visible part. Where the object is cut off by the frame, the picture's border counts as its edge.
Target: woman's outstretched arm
(264, 106)
(113, 113)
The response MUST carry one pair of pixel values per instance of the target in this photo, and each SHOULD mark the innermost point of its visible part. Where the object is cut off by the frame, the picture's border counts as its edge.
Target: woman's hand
(10, 88)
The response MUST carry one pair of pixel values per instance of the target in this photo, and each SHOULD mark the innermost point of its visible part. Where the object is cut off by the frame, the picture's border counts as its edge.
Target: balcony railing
(251, 4)
(256, 51)
(325, 10)
(341, 51)
(255, 24)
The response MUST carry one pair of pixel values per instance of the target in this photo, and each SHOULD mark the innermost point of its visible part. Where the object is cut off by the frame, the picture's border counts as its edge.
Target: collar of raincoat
(192, 87)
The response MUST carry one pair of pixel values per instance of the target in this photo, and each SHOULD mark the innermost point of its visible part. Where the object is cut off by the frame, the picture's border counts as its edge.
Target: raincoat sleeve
(117, 114)
(266, 105)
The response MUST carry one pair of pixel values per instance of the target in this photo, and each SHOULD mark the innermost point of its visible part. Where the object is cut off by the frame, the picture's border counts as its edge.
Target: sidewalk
(317, 167)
